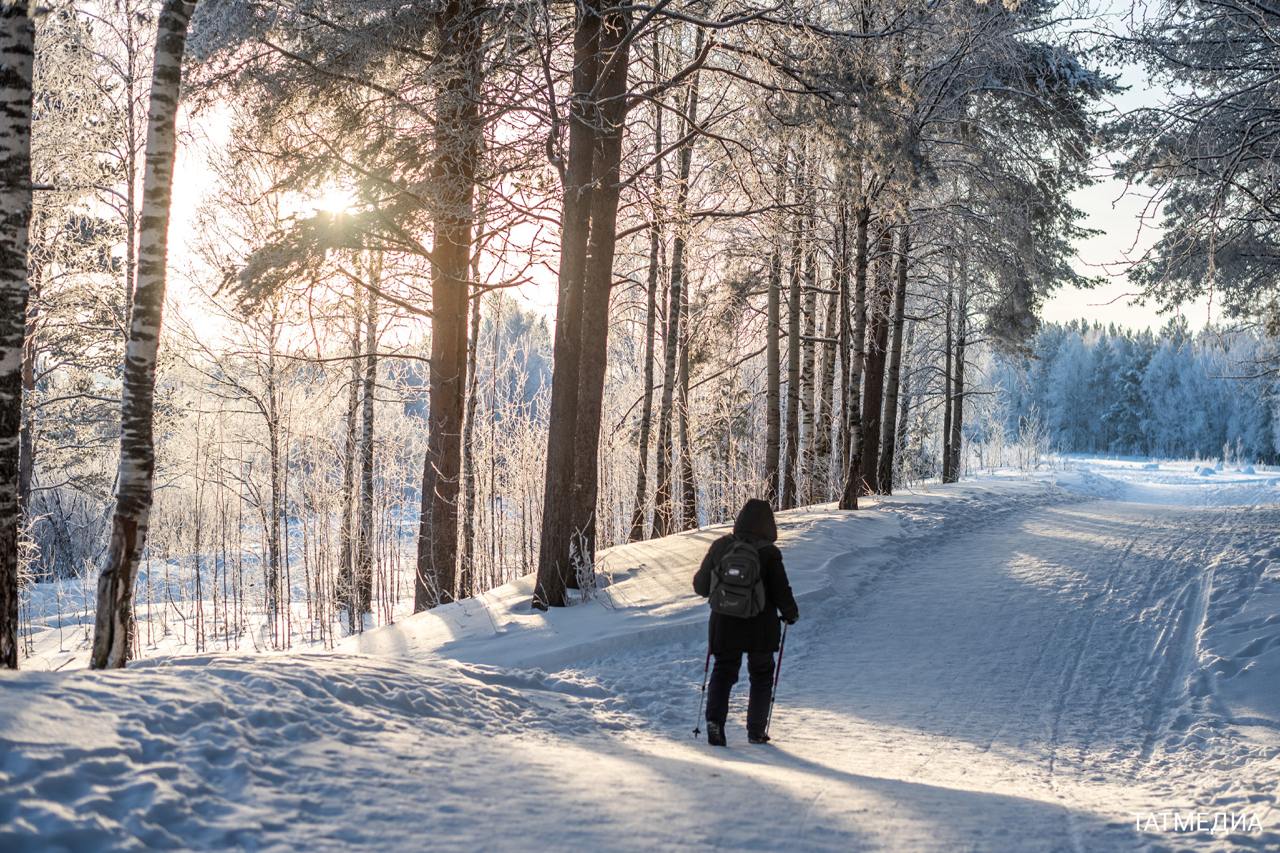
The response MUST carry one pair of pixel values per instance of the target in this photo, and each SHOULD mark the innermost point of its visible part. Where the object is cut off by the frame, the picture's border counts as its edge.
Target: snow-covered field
(1082, 660)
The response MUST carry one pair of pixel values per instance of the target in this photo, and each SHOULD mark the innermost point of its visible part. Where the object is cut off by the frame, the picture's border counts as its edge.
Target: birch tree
(113, 623)
(17, 51)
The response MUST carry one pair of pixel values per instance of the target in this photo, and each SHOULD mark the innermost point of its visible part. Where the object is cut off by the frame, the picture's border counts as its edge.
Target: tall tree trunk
(468, 580)
(114, 621)
(890, 437)
(688, 489)
(773, 370)
(30, 355)
(458, 132)
(131, 78)
(646, 411)
(650, 318)
(587, 233)
(663, 507)
(364, 552)
(791, 450)
(611, 113)
(575, 221)
(947, 398)
(664, 511)
(808, 379)
(827, 401)
(773, 359)
(905, 396)
(846, 332)
(351, 451)
(853, 476)
(877, 351)
(275, 569)
(957, 391)
(17, 52)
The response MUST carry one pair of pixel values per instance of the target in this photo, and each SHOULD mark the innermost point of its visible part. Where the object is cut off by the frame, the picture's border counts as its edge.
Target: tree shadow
(766, 798)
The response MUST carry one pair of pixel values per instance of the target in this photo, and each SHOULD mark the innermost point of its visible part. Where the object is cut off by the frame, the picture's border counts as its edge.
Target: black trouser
(725, 674)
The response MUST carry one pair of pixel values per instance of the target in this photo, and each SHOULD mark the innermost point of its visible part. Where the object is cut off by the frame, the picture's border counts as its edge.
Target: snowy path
(1031, 665)
(1028, 679)
(1018, 686)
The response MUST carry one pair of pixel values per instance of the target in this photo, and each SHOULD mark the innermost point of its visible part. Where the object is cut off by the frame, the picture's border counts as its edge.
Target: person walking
(743, 577)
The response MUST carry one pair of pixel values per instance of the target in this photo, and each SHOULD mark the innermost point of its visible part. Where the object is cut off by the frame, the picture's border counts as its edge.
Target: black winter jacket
(761, 633)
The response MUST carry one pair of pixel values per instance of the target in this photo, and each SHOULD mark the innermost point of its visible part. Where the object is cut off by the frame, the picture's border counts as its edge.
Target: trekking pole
(706, 667)
(777, 674)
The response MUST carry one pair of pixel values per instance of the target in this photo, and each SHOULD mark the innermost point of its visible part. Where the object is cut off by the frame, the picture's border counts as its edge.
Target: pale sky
(1119, 213)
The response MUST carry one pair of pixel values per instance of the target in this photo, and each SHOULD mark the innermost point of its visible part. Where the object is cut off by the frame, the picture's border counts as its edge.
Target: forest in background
(1173, 393)
(786, 242)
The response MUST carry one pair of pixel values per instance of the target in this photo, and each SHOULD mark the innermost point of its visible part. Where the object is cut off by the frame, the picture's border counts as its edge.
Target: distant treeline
(1172, 393)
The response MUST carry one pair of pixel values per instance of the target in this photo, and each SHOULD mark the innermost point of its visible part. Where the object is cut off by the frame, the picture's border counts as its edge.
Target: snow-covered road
(1014, 685)
(1061, 674)
(1032, 683)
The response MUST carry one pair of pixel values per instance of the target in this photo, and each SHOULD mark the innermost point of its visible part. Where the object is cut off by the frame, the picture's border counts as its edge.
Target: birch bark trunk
(827, 400)
(17, 53)
(114, 621)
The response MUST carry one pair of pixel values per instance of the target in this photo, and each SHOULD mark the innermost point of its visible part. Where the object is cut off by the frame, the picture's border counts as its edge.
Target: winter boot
(760, 737)
(715, 734)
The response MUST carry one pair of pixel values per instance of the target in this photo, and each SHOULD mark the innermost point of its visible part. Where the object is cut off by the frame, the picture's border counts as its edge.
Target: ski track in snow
(1012, 666)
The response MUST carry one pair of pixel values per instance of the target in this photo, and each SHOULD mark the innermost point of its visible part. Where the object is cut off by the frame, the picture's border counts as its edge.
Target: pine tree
(459, 124)
(880, 311)
(884, 478)
(597, 110)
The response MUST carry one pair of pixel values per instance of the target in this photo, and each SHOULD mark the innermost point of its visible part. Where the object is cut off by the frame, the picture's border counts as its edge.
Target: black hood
(755, 521)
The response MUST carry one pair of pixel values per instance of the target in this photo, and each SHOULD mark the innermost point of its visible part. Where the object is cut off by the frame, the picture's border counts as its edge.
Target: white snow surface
(1010, 663)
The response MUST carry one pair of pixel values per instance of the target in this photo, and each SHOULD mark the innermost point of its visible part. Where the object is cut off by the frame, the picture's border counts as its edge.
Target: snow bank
(646, 594)
(1166, 482)
(1240, 649)
(234, 751)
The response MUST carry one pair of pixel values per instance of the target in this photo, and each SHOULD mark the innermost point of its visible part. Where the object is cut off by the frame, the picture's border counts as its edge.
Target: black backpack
(737, 582)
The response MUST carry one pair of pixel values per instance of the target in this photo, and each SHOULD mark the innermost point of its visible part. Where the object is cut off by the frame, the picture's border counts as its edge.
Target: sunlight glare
(334, 198)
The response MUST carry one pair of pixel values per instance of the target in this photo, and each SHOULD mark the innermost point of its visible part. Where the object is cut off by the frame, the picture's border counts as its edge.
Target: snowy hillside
(1059, 662)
